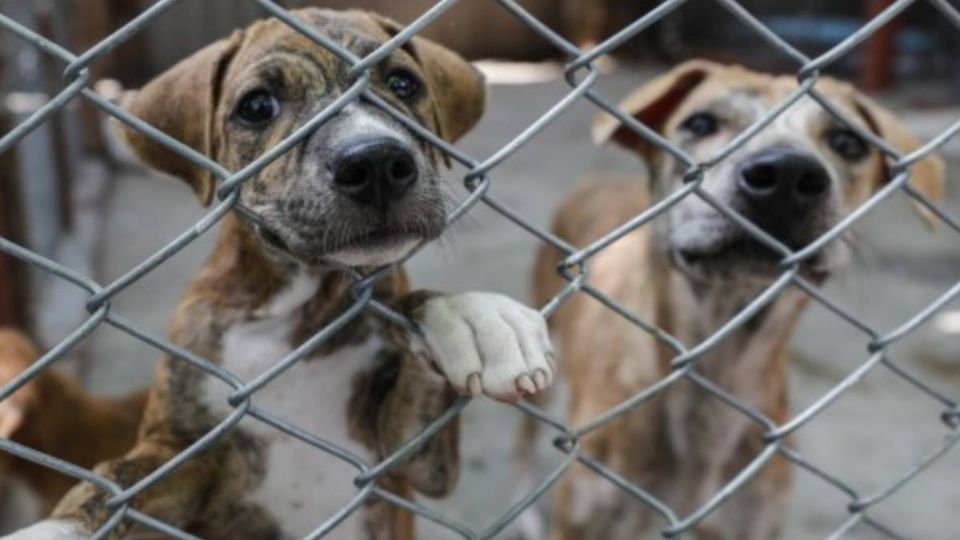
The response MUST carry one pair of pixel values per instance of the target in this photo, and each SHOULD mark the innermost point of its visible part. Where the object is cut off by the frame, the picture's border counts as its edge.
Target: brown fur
(54, 415)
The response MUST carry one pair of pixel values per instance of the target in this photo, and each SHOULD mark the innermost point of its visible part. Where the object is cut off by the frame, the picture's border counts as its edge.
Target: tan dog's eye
(701, 124)
(257, 107)
(403, 84)
(847, 143)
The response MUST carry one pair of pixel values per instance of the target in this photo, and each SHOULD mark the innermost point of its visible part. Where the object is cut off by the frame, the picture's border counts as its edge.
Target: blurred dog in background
(689, 273)
(53, 414)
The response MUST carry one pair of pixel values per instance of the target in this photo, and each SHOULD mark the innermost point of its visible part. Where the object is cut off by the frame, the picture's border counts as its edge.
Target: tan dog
(360, 191)
(689, 275)
(54, 415)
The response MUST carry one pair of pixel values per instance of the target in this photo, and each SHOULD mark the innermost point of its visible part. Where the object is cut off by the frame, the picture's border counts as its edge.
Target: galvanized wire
(581, 74)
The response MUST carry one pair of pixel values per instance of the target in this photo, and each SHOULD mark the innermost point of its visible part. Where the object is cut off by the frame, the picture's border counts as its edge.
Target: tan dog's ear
(458, 89)
(182, 102)
(652, 104)
(927, 174)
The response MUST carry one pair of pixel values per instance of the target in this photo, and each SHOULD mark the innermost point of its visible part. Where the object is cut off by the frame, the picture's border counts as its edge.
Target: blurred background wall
(922, 43)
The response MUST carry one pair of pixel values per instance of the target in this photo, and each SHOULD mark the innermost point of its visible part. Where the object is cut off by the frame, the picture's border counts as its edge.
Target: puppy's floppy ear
(926, 175)
(182, 103)
(652, 104)
(457, 88)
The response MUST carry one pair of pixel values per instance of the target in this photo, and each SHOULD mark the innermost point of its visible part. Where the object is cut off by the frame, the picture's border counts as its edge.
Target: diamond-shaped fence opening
(581, 73)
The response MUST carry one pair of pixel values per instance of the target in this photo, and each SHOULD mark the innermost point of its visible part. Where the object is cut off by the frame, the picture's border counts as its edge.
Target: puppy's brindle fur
(689, 276)
(271, 285)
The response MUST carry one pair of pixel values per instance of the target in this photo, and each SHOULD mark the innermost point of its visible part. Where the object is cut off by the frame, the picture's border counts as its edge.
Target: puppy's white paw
(51, 529)
(486, 343)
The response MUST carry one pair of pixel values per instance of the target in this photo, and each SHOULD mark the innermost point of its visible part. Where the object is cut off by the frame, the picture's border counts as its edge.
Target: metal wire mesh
(581, 74)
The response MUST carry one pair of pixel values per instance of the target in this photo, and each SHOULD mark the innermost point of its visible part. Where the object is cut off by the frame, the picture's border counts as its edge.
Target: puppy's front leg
(175, 500)
(483, 343)
(418, 397)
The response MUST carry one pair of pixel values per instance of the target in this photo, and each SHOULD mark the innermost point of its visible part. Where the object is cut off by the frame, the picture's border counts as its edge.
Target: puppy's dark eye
(258, 107)
(848, 144)
(701, 124)
(403, 84)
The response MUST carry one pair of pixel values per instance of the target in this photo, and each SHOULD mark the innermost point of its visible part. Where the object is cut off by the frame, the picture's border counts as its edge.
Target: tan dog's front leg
(174, 500)
(483, 343)
(756, 511)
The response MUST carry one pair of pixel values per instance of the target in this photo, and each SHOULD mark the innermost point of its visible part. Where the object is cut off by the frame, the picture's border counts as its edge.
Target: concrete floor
(867, 438)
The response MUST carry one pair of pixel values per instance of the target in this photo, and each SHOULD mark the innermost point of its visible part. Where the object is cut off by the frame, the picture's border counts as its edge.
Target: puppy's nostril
(402, 171)
(355, 174)
(761, 177)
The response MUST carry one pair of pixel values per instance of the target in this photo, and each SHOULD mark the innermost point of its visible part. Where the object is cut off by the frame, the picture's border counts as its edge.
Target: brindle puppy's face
(795, 179)
(360, 189)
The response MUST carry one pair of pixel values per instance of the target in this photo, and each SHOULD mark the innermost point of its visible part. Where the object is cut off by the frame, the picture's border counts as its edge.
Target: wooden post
(87, 23)
(13, 274)
(62, 158)
(880, 51)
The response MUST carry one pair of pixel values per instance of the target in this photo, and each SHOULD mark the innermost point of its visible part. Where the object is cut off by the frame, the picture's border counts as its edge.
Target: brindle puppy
(359, 191)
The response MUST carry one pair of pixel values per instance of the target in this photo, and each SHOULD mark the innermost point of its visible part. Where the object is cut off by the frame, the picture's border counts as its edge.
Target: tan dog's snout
(781, 180)
(782, 190)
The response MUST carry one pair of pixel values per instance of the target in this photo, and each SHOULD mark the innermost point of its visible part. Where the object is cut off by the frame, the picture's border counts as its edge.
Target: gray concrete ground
(868, 437)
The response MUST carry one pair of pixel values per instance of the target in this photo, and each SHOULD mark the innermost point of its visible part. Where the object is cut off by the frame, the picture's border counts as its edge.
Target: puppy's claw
(475, 384)
(526, 385)
(540, 377)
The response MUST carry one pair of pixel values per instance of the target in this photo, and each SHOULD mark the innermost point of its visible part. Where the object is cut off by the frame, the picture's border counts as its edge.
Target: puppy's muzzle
(782, 191)
(375, 172)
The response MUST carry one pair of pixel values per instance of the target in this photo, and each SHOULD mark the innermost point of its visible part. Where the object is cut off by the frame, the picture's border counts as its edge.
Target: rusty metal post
(880, 50)
(13, 276)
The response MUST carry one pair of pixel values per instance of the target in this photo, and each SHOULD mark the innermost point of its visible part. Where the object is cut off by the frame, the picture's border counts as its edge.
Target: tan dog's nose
(375, 172)
(783, 182)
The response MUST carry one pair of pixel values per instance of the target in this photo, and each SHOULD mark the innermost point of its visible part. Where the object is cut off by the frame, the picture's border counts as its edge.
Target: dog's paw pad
(489, 344)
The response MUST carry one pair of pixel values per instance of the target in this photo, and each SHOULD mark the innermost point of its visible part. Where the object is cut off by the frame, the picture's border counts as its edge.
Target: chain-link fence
(581, 74)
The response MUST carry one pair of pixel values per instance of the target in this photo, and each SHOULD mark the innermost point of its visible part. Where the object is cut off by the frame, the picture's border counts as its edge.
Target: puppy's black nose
(375, 172)
(783, 181)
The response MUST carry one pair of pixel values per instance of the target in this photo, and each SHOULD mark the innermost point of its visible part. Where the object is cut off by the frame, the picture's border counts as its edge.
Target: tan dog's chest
(300, 485)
